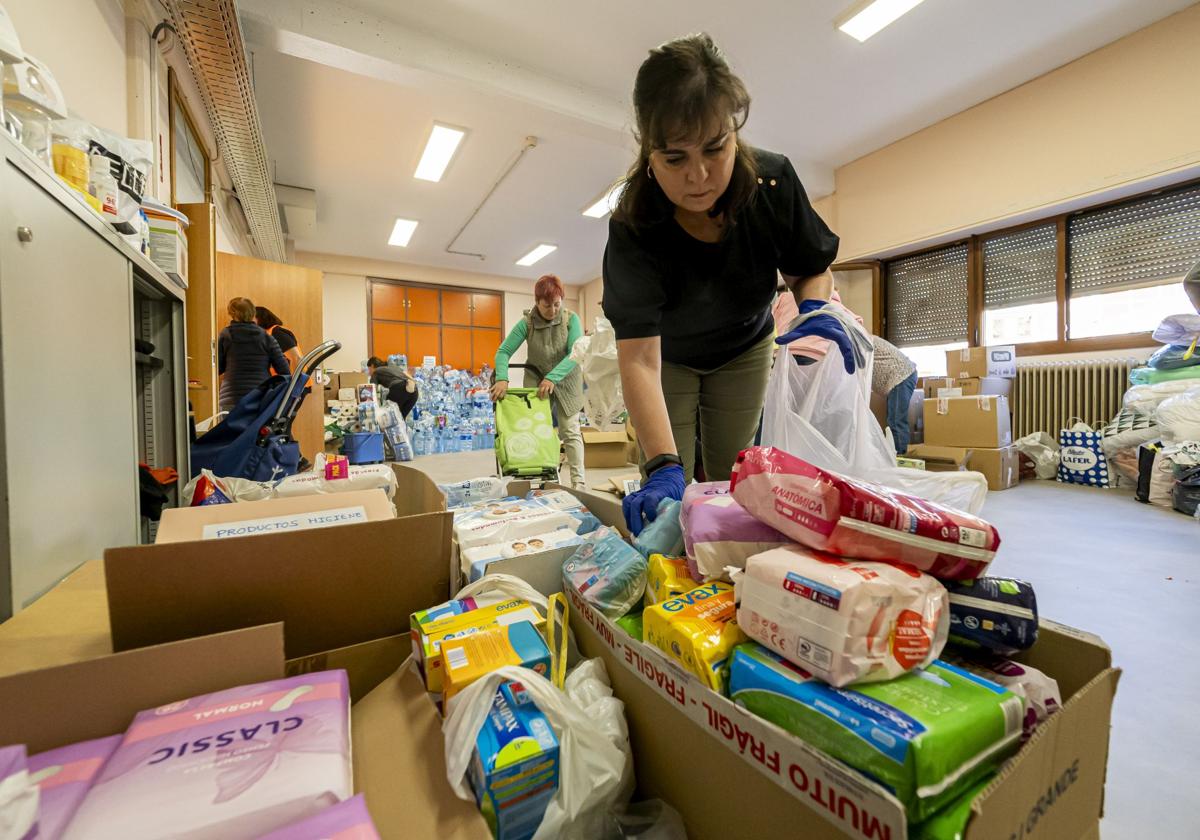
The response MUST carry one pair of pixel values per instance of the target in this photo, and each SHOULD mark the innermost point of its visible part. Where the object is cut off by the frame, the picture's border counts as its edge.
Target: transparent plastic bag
(593, 769)
(652, 819)
(665, 534)
(1042, 449)
(819, 414)
(608, 572)
(596, 355)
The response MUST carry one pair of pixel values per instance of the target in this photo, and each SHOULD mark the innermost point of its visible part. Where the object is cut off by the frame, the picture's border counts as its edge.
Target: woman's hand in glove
(666, 482)
(822, 326)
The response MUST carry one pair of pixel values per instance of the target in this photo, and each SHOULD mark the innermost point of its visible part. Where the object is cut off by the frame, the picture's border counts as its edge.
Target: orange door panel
(422, 305)
(487, 310)
(387, 339)
(456, 347)
(387, 301)
(483, 348)
(422, 342)
(456, 308)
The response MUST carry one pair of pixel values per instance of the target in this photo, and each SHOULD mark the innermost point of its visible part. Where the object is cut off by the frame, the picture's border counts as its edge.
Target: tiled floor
(1129, 573)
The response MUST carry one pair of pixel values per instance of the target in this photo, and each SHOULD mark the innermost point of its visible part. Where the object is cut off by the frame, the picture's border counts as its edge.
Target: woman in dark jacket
(245, 354)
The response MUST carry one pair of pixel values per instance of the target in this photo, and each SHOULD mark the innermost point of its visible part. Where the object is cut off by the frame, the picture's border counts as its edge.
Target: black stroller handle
(304, 371)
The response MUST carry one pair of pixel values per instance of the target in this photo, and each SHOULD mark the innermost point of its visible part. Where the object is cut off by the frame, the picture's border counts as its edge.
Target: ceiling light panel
(536, 254)
(607, 203)
(864, 20)
(402, 232)
(439, 151)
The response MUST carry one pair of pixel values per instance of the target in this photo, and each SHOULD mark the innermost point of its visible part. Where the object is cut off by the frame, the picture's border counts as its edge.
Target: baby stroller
(526, 444)
(255, 440)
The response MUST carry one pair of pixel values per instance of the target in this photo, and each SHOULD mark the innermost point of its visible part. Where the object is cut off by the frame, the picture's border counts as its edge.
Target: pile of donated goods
(855, 617)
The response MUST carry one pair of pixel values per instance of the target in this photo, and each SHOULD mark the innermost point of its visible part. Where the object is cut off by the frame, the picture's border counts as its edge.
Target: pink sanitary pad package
(63, 777)
(852, 518)
(347, 820)
(718, 532)
(234, 764)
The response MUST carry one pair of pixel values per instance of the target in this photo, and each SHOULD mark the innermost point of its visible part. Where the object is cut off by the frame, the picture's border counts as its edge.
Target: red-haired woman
(550, 332)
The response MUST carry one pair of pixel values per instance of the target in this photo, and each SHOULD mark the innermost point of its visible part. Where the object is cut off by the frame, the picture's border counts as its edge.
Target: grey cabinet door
(66, 346)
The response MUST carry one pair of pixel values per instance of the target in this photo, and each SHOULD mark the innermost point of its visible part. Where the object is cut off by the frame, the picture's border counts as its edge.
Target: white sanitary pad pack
(844, 621)
(476, 560)
(508, 519)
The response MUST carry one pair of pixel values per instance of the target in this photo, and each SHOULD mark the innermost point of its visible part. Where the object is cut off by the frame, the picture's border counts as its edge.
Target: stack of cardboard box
(968, 424)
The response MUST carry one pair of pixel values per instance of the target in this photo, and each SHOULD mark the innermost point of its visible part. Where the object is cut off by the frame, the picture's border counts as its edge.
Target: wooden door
(294, 294)
(387, 302)
(485, 310)
(201, 308)
(422, 305)
(387, 338)
(456, 308)
(423, 341)
(484, 344)
(456, 347)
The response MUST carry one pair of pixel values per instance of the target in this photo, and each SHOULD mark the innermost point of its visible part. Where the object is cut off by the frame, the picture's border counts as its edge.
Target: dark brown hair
(683, 88)
(241, 309)
(266, 318)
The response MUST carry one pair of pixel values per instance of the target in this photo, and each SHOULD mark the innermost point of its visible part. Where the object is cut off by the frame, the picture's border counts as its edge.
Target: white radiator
(1047, 395)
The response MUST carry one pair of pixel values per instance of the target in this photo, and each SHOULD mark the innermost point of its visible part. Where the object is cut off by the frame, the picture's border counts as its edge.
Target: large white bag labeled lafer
(843, 621)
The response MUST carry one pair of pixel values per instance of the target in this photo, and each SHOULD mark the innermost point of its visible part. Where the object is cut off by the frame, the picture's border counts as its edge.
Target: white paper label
(278, 524)
(949, 392)
(971, 536)
(429, 361)
(984, 403)
(943, 405)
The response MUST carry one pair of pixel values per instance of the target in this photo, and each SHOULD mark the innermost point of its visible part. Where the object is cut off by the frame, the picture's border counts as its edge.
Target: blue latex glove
(641, 507)
(822, 326)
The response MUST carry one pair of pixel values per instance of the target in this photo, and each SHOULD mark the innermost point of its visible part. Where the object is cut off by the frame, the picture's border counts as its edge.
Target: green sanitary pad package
(927, 735)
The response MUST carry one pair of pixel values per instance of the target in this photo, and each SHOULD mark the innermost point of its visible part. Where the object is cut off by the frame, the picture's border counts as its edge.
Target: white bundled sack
(843, 621)
(1042, 449)
(1178, 418)
(596, 355)
(593, 769)
(819, 414)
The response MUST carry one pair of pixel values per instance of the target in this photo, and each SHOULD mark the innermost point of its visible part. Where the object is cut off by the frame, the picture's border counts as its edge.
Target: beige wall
(1124, 116)
(345, 296)
(83, 44)
(590, 295)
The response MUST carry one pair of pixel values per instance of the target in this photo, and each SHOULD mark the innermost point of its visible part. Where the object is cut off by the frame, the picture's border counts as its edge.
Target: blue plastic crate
(363, 447)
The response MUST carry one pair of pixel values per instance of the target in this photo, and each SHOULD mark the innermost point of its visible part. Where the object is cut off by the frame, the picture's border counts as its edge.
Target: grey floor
(1127, 572)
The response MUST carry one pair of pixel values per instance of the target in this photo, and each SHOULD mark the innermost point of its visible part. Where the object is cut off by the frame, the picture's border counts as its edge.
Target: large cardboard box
(968, 421)
(940, 458)
(295, 513)
(983, 386)
(605, 449)
(997, 360)
(1001, 467)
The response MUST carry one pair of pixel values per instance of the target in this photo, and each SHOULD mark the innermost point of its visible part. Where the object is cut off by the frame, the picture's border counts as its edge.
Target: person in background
(400, 387)
(550, 332)
(271, 322)
(704, 227)
(246, 355)
(894, 376)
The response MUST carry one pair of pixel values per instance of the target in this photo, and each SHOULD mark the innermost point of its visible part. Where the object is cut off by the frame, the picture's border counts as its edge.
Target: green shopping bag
(525, 440)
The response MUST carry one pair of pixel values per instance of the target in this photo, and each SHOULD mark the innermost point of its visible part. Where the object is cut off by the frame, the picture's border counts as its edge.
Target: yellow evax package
(667, 577)
(427, 639)
(698, 629)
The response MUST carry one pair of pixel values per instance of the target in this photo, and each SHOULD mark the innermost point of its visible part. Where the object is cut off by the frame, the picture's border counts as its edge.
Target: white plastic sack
(1179, 417)
(596, 355)
(492, 589)
(818, 413)
(1146, 398)
(1178, 329)
(592, 767)
(1042, 449)
(237, 489)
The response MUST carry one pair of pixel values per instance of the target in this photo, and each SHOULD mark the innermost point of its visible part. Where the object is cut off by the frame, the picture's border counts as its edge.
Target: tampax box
(467, 658)
(997, 360)
(515, 770)
(968, 422)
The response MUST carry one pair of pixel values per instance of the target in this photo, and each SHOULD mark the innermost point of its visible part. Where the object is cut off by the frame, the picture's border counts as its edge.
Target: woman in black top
(703, 229)
(273, 325)
(245, 354)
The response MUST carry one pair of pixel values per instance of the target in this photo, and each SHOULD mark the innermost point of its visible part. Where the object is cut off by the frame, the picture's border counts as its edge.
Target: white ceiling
(347, 93)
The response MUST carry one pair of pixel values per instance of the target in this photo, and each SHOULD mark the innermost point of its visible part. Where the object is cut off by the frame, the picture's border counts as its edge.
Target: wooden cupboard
(458, 327)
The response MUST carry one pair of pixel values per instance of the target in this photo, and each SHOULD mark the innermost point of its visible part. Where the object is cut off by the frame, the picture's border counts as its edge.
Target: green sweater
(517, 337)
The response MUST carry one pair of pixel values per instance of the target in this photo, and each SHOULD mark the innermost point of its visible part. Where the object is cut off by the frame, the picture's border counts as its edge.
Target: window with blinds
(1139, 244)
(1021, 268)
(927, 298)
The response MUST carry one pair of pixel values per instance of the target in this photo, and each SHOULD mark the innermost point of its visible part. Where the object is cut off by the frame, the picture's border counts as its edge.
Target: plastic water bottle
(464, 440)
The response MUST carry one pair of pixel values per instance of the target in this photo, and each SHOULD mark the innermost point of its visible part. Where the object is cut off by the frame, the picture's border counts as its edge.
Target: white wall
(344, 298)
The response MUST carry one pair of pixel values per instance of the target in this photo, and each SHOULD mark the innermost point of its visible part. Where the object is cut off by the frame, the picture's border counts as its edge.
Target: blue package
(993, 613)
(665, 534)
(608, 572)
(515, 769)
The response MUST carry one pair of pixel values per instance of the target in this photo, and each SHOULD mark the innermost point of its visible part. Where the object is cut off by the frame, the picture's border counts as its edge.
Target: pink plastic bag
(851, 518)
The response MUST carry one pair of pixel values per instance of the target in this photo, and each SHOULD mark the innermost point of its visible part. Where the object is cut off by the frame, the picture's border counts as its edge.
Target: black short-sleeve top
(710, 302)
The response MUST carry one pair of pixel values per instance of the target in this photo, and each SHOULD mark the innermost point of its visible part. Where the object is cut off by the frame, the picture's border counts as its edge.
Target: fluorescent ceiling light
(443, 142)
(863, 21)
(607, 203)
(536, 254)
(402, 232)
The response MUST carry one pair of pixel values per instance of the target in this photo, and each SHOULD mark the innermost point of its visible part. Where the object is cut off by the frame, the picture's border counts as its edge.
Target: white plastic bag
(1178, 329)
(818, 413)
(1178, 418)
(592, 768)
(596, 355)
(1042, 449)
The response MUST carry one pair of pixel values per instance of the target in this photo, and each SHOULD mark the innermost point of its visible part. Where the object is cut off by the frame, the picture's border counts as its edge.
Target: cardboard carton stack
(968, 422)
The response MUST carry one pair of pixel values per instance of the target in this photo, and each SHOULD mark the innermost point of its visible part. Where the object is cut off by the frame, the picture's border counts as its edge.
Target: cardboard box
(968, 422)
(604, 449)
(1001, 467)
(932, 384)
(295, 513)
(940, 458)
(997, 360)
(352, 379)
(983, 386)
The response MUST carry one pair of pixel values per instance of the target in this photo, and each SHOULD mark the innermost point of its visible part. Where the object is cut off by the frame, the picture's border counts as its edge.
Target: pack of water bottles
(453, 411)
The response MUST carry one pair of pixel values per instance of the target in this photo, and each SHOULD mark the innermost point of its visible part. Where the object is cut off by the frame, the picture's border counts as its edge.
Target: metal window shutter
(927, 298)
(1021, 267)
(1141, 243)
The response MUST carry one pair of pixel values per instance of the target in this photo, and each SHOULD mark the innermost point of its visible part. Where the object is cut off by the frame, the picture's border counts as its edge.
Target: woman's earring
(649, 171)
